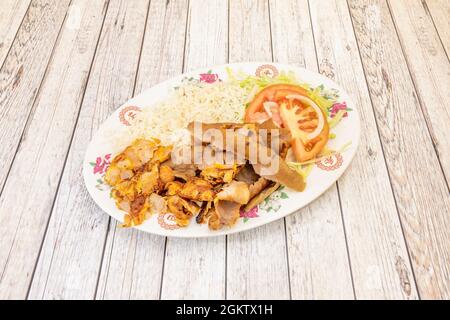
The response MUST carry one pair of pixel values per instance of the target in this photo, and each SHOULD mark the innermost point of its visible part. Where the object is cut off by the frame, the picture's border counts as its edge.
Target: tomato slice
(303, 122)
(296, 112)
(270, 93)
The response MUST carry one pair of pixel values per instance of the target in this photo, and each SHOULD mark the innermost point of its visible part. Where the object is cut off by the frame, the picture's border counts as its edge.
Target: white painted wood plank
(40, 159)
(257, 266)
(378, 255)
(430, 70)
(195, 268)
(23, 71)
(139, 276)
(11, 15)
(71, 255)
(440, 12)
(315, 234)
(419, 186)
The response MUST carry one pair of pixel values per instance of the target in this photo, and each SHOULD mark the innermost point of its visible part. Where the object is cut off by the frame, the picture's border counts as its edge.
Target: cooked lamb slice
(285, 175)
(226, 213)
(236, 191)
(258, 186)
(260, 197)
(247, 174)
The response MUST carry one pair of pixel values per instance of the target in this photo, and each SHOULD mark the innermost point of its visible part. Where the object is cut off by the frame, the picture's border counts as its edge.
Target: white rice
(168, 120)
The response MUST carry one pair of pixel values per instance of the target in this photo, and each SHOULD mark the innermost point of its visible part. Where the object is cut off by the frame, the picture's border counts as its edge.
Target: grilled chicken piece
(219, 173)
(162, 154)
(174, 187)
(148, 182)
(123, 165)
(166, 174)
(182, 171)
(182, 209)
(236, 191)
(261, 196)
(157, 204)
(138, 212)
(125, 189)
(198, 190)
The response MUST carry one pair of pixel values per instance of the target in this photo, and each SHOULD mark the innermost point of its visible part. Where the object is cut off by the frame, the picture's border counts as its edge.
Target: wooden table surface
(382, 231)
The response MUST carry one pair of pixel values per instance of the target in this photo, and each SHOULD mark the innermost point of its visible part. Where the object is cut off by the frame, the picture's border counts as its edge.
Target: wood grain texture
(40, 159)
(440, 13)
(430, 71)
(71, 255)
(256, 260)
(378, 256)
(139, 275)
(315, 234)
(11, 15)
(419, 186)
(23, 71)
(195, 268)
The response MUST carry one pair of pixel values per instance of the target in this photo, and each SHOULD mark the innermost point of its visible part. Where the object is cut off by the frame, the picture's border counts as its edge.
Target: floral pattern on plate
(330, 163)
(127, 114)
(100, 165)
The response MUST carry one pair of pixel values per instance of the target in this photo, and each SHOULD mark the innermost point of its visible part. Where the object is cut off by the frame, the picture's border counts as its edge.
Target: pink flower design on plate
(252, 213)
(338, 106)
(101, 164)
(209, 77)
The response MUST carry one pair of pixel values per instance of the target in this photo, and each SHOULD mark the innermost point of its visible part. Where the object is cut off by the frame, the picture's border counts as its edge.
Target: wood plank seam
(65, 160)
(427, 10)
(70, 144)
(346, 239)
(15, 36)
(110, 221)
(385, 160)
(25, 126)
(162, 269)
(134, 91)
(337, 182)
(102, 258)
(284, 219)
(182, 67)
(37, 94)
(416, 92)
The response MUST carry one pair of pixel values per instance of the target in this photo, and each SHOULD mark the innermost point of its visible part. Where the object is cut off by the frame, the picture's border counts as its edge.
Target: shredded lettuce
(336, 119)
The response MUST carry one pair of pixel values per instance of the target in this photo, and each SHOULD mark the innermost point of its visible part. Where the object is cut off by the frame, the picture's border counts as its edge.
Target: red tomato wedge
(290, 107)
(270, 93)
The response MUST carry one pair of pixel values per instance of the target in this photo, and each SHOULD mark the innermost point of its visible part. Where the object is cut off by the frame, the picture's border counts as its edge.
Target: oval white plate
(280, 204)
